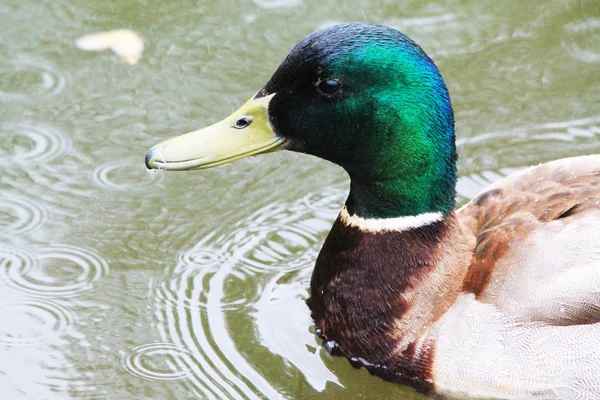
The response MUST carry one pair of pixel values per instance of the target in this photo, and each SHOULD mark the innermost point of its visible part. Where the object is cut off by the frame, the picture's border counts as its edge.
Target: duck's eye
(329, 86)
(242, 122)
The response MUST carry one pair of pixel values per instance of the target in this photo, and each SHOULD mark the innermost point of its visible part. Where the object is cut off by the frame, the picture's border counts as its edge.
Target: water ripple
(469, 186)
(182, 314)
(286, 247)
(32, 322)
(59, 270)
(158, 361)
(203, 297)
(552, 140)
(24, 78)
(582, 40)
(20, 215)
(327, 203)
(281, 236)
(27, 143)
(124, 175)
(201, 257)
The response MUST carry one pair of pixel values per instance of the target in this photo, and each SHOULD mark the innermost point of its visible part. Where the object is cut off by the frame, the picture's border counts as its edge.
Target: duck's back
(528, 321)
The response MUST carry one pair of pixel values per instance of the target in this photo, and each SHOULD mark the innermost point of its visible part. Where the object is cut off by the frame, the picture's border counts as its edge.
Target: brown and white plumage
(528, 321)
(540, 225)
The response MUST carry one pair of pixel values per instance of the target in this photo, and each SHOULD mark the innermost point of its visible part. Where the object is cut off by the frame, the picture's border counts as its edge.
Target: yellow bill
(244, 133)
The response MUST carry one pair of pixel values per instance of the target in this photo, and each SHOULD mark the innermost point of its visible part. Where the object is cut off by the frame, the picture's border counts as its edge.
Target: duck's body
(534, 315)
(498, 299)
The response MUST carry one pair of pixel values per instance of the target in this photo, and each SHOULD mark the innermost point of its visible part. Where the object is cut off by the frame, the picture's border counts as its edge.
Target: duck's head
(363, 96)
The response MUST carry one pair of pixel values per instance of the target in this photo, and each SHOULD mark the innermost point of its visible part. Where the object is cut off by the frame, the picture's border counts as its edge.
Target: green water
(120, 284)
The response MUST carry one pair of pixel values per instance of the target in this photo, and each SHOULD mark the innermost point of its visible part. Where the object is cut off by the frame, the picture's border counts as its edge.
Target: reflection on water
(116, 283)
(281, 322)
(32, 322)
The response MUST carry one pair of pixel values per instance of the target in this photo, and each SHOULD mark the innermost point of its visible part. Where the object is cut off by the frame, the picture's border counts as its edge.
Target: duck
(498, 299)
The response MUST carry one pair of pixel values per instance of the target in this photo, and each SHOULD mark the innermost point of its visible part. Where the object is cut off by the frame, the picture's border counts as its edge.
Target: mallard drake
(498, 299)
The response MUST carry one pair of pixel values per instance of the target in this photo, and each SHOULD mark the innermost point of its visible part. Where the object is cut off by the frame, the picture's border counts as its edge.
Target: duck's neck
(376, 292)
(404, 193)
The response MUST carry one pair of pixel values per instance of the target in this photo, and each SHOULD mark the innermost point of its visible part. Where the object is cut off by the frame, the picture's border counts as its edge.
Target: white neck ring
(398, 224)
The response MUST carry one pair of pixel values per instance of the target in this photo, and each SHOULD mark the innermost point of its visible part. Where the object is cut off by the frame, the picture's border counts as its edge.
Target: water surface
(120, 284)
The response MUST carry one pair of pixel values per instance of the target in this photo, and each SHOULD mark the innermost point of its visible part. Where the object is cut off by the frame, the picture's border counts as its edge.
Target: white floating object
(277, 3)
(126, 43)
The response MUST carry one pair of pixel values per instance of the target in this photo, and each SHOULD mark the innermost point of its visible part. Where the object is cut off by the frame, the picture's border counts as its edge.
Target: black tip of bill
(149, 156)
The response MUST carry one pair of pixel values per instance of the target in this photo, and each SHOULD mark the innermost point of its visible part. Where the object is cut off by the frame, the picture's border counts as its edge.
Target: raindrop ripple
(143, 361)
(24, 78)
(24, 143)
(58, 271)
(20, 215)
(119, 175)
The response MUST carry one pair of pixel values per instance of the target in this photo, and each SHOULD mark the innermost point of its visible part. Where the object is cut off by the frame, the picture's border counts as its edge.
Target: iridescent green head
(367, 98)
